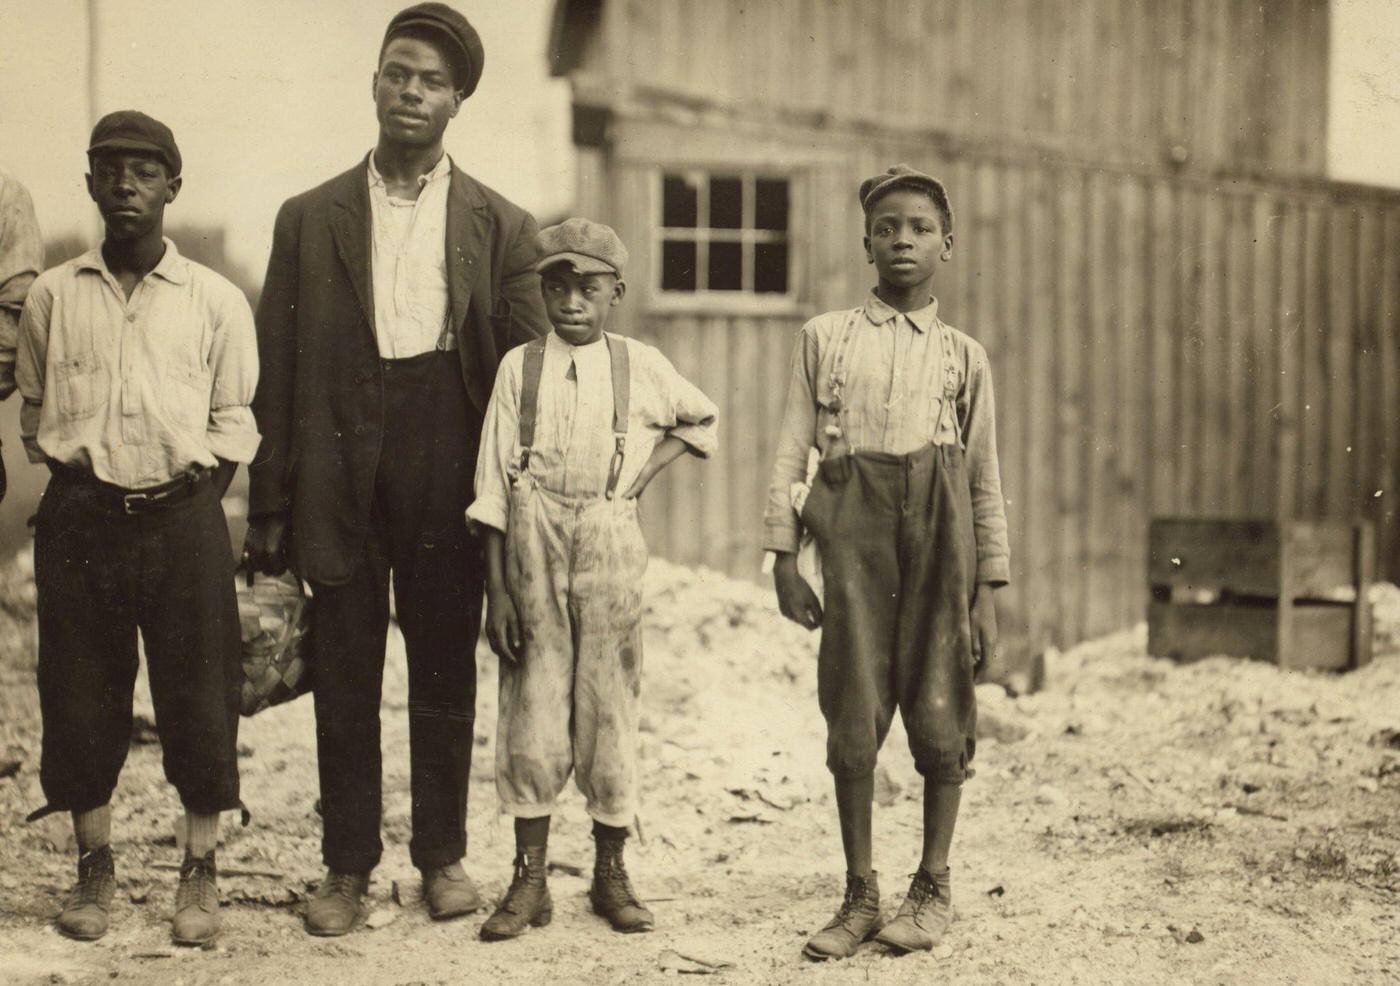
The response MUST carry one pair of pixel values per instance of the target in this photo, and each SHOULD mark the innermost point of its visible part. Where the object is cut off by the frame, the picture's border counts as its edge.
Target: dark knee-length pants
(899, 563)
(101, 575)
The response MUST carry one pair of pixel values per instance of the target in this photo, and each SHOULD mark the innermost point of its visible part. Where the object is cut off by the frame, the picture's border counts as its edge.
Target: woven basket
(274, 616)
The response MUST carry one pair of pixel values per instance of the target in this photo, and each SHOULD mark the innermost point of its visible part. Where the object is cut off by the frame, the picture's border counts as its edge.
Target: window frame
(744, 300)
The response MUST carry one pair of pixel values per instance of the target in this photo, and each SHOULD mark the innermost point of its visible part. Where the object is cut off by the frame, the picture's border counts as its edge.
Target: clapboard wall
(1214, 334)
(1161, 344)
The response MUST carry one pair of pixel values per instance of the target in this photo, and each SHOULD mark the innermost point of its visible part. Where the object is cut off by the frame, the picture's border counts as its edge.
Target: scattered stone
(1047, 794)
(1368, 784)
(9, 768)
(1194, 937)
(997, 891)
(569, 869)
(673, 962)
(887, 789)
(381, 918)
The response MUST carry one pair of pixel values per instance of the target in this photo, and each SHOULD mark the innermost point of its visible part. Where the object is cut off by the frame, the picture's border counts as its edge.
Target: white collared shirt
(409, 264)
(137, 390)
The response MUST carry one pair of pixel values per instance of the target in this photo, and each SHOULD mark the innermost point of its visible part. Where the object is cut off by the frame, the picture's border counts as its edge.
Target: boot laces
(856, 888)
(615, 881)
(94, 872)
(340, 885)
(197, 887)
(519, 884)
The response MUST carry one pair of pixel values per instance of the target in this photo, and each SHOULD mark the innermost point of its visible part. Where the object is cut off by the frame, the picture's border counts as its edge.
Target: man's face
(906, 237)
(578, 305)
(131, 189)
(414, 93)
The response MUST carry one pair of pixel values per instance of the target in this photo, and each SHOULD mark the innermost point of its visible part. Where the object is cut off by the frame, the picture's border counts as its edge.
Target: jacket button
(359, 429)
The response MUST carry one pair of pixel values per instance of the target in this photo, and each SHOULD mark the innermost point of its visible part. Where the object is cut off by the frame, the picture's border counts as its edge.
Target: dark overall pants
(899, 563)
(102, 573)
(418, 533)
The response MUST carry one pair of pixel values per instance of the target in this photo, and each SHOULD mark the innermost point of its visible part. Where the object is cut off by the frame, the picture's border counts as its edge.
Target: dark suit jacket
(319, 402)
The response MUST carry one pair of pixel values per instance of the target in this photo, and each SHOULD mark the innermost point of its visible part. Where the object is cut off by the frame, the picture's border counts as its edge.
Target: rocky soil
(1220, 822)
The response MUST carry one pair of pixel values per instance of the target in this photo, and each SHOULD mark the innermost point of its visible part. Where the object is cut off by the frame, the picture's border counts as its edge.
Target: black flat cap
(130, 130)
(464, 44)
(903, 176)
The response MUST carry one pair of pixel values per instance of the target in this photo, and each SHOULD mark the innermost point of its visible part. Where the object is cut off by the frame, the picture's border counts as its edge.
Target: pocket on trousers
(81, 385)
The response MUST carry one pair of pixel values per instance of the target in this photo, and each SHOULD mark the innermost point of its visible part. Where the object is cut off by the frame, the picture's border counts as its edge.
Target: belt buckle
(130, 500)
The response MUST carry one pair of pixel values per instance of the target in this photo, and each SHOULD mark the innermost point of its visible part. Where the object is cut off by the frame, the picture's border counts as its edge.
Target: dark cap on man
(903, 176)
(588, 247)
(130, 130)
(463, 43)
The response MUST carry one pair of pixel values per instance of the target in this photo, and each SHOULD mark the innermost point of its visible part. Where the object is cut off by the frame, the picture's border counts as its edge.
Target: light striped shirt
(409, 265)
(898, 368)
(574, 422)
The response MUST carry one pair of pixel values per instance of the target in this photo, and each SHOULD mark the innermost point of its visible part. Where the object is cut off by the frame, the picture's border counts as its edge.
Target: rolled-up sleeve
(692, 417)
(984, 474)
(31, 358)
(498, 437)
(795, 440)
(21, 257)
(233, 358)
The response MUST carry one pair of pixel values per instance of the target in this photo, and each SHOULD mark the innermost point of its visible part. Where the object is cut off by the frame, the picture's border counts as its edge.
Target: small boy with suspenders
(907, 513)
(579, 423)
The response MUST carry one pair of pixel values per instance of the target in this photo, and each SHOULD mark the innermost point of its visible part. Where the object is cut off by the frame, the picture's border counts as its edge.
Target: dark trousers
(898, 563)
(101, 575)
(418, 533)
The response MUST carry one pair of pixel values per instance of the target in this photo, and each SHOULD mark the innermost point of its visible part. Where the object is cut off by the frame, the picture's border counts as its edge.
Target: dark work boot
(526, 903)
(612, 895)
(196, 919)
(923, 917)
(449, 892)
(338, 904)
(854, 922)
(84, 914)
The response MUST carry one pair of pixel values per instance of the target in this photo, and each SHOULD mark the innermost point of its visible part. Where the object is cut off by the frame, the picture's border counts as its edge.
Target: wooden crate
(1292, 592)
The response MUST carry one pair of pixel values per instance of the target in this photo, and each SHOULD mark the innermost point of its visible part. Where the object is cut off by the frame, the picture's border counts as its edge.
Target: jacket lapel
(468, 232)
(350, 221)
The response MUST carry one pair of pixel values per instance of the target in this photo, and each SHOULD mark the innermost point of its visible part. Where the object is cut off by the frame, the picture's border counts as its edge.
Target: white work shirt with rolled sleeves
(409, 264)
(137, 390)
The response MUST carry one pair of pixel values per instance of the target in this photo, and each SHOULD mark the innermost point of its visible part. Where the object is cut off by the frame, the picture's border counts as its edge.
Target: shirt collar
(569, 349)
(442, 169)
(172, 267)
(922, 319)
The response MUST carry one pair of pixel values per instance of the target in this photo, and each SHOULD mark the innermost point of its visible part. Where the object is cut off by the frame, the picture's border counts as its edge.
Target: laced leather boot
(196, 919)
(449, 892)
(84, 914)
(923, 917)
(526, 903)
(854, 922)
(338, 904)
(612, 895)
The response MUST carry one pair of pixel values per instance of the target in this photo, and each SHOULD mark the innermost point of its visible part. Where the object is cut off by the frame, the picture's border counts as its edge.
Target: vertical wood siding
(1204, 82)
(1160, 345)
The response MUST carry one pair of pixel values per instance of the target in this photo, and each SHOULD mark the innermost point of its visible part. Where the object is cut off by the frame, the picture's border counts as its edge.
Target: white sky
(269, 97)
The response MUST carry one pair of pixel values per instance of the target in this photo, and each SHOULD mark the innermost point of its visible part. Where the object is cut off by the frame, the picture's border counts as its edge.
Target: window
(725, 233)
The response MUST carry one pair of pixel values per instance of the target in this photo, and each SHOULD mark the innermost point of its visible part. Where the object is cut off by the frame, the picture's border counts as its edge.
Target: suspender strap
(530, 397)
(622, 395)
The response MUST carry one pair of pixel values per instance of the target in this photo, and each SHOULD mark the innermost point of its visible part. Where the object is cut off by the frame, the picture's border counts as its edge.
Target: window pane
(770, 268)
(726, 266)
(726, 203)
(677, 265)
(679, 202)
(771, 204)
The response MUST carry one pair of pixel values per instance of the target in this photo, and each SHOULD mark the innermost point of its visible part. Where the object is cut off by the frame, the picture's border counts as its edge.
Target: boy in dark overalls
(579, 424)
(137, 368)
(907, 512)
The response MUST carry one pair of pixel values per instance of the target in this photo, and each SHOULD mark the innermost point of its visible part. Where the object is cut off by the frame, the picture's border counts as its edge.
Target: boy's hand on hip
(796, 600)
(503, 624)
(984, 628)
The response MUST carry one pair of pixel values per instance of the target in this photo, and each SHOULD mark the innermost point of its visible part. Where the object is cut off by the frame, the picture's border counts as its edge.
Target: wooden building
(1183, 315)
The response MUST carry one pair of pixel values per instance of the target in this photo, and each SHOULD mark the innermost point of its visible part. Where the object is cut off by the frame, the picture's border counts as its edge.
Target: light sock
(201, 833)
(93, 829)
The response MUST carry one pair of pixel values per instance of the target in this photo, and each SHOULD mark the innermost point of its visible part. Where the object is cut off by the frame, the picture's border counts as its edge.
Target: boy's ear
(374, 86)
(87, 178)
(947, 248)
(619, 289)
(869, 257)
(172, 189)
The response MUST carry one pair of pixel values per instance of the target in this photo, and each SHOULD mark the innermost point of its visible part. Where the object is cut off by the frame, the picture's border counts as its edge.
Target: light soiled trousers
(574, 568)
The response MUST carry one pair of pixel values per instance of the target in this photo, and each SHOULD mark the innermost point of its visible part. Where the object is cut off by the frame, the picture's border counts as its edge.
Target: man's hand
(796, 600)
(264, 547)
(503, 624)
(984, 627)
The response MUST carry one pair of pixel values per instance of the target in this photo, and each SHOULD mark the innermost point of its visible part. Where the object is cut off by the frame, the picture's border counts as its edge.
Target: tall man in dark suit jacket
(391, 295)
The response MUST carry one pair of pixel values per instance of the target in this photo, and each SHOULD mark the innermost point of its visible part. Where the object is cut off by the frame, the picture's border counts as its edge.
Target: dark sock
(531, 833)
(612, 832)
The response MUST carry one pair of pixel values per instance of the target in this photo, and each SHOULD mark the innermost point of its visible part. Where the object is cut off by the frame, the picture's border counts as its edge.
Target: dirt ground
(1221, 822)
